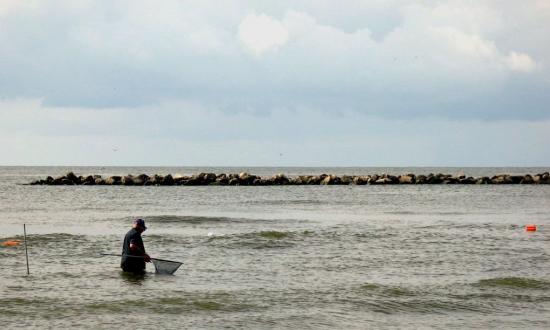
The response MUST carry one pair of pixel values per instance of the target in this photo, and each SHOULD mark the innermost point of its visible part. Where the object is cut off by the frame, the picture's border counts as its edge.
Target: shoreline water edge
(246, 179)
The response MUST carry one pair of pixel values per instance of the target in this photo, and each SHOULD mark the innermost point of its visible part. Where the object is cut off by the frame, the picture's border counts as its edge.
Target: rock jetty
(246, 179)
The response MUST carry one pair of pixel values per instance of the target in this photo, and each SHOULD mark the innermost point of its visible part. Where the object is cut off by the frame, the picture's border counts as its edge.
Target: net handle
(131, 256)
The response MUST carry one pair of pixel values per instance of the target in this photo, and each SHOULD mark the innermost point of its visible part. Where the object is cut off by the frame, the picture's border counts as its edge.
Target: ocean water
(321, 257)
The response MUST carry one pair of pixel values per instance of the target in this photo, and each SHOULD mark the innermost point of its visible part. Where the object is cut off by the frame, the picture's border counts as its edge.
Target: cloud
(261, 33)
(467, 44)
(520, 62)
(186, 133)
(393, 59)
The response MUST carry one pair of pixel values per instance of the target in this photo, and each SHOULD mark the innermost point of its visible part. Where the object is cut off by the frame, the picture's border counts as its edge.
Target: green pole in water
(26, 252)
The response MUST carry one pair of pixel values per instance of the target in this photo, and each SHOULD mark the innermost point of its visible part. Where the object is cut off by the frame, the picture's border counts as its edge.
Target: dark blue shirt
(129, 263)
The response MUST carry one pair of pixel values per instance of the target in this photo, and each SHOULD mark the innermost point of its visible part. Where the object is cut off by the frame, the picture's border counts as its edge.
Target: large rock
(501, 179)
(58, 181)
(167, 180)
(279, 179)
(421, 179)
(516, 179)
(468, 180)
(483, 180)
(141, 179)
(202, 179)
(544, 178)
(156, 180)
(196, 180)
(88, 181)
(246, 179)
(222, 179)
(393, 179)
(72, 177)
(300, 180)
(114, 180)
(259, 182)
(360, 180)
(128, 180)
(450, 180)
(527, 179)
(210, 177)
(67, 182)
(406, 179)
(331, 180)
(346, 179)
(314, 180)
(383, 180)
(244, 176)
(434, 179)
(180, 180)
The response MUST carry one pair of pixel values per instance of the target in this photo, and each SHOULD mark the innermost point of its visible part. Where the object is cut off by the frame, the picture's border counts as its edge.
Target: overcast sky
(275, 83)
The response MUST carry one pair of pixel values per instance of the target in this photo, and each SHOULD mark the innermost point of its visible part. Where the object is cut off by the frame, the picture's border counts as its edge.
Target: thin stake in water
(26, 252)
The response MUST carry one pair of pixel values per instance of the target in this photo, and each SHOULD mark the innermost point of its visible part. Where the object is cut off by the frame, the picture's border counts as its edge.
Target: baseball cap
(140, 222)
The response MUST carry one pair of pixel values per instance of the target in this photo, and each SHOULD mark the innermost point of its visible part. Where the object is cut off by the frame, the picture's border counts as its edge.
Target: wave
(424, 306)
(175, 304)
(269, 239)
(272, 234)
(504, 296)
(199, 219)
(30, 307)
(191, 219)
(48, 242)
(402, 212)
(514, 282)
(55, 237)
(389, 291)
(397, 299)
(288, 202)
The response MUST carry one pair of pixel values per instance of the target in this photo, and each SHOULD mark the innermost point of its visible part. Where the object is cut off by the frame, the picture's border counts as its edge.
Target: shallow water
(278, 257)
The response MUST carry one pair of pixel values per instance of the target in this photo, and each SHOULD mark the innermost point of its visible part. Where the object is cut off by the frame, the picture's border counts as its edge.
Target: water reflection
(133, 278)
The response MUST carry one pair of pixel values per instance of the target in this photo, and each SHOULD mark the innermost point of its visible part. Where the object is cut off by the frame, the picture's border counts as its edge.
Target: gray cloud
(392, 59)
(186, 133)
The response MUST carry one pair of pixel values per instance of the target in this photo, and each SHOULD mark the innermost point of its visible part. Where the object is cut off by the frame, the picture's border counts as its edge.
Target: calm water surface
(278, 257)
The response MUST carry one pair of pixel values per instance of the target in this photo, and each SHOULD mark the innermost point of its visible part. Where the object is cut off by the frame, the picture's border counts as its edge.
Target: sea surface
(277, 257)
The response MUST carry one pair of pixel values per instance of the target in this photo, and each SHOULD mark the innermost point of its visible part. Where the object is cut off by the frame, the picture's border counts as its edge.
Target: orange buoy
(14, 242)
(531, 228)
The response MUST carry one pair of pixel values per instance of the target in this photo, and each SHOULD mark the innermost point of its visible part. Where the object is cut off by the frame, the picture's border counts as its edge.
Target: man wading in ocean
(133, 252)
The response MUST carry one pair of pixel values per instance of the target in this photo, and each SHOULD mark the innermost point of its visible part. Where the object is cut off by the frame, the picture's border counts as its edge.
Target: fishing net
(165, 266)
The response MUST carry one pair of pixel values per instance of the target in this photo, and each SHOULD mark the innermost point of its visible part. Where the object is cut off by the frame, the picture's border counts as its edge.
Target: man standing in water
(133, 252)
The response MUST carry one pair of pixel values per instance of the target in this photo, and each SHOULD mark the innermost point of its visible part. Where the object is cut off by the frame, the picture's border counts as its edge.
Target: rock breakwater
(246, 179)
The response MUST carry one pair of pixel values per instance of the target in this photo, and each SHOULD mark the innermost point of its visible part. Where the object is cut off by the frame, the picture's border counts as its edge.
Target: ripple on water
(184, 303)
(191, 219)
(31, 307)
(514, 283)
(269, 239)
(187, 302)
(397, 299)
(389, 291)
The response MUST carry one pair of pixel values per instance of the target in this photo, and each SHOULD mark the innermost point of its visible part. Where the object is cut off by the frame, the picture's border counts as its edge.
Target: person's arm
(136, 250)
